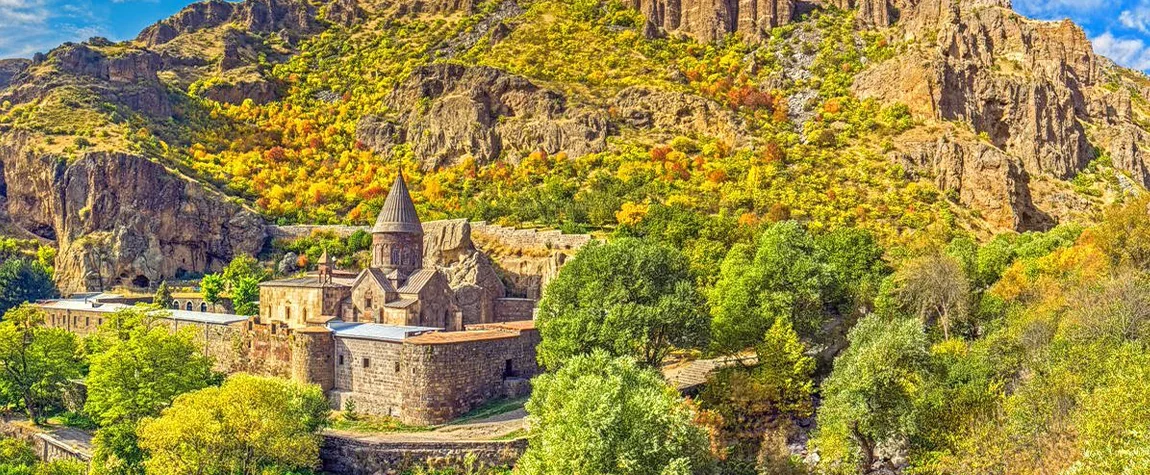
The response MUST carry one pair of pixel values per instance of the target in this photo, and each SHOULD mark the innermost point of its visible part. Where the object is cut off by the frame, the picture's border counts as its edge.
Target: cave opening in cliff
(141, 282)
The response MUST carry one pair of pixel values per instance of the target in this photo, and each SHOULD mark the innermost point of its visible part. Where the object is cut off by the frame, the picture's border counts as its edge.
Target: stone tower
(397, 238)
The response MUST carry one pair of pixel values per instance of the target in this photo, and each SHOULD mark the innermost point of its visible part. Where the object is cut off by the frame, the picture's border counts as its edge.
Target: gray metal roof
(179, 315)
(376, 331)
(398, 214)
(417, 280)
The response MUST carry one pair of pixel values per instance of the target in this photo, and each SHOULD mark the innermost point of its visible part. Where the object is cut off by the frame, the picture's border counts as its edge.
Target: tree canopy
(36, 362)
(249, 425)
(599, 415)
(628, 297)
(21, 281)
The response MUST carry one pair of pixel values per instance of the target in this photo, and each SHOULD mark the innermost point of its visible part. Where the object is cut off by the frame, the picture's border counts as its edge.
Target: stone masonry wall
(350, 456)
(450, 379)
(514, 310)
(218, 340)
(373, 386)
(48, 446)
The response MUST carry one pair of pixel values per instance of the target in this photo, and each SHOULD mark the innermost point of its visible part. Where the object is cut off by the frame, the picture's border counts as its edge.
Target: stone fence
(348, 455)
(529, 238)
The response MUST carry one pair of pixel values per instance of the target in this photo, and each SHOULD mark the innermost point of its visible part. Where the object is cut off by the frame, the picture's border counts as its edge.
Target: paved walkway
(496, 427)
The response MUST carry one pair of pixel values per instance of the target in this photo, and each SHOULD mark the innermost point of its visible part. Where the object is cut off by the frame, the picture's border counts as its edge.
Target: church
(395, 290)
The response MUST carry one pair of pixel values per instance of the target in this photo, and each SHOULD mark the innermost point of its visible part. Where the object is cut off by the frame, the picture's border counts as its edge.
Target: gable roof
(417, 281)
(398, 214)
(376, 275)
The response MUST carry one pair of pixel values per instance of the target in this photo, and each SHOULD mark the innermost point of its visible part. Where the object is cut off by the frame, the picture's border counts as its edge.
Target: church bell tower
(397, 237)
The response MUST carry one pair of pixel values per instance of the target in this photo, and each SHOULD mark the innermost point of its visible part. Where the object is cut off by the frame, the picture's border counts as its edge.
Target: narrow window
(87, 321)
(396, 366)
(367, 362)
(203, 306)
(341, 360)
(188, 306)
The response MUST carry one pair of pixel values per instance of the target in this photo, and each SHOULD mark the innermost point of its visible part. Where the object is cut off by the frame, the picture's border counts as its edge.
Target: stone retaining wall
(345, 455)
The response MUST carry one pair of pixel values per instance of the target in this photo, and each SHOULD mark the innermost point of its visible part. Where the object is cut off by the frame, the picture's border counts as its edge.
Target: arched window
(188, 306)
(367, 299)
(203, 306)
(395, 255)
(175, 305)
(287, 312)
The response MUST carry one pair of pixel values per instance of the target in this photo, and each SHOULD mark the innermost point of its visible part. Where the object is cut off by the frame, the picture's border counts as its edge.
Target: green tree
(782, 276)
(140, 371)
(212, 285)
(249, 425)
(245, 295)
(629, 297)
(604, 415)
(243, 266)
(24, 281)
(163, 297)
(869, 398)
(36, 362)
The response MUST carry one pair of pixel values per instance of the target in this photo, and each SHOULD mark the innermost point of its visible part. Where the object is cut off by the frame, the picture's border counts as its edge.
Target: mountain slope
(907, 118)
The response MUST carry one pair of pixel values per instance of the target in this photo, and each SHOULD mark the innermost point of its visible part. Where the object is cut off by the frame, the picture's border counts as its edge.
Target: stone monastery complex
(424, 335)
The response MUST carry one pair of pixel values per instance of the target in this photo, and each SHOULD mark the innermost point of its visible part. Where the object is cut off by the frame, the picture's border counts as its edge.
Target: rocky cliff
(120, 219)
(450, 111)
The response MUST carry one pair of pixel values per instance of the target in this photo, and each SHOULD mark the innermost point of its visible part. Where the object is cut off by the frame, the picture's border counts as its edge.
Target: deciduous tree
(600, 415)
(36, 362)
(628, 297)
(247, 426)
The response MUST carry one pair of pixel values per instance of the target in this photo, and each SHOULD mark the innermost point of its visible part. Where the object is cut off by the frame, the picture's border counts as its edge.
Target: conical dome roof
(398, 213)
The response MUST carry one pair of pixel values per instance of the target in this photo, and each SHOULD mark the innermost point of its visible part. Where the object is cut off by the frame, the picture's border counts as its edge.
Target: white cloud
(1137, 17)
(1130, 52)
(30, 26)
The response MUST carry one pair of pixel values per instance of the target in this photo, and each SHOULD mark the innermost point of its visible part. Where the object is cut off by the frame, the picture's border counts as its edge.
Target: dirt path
(496, 427)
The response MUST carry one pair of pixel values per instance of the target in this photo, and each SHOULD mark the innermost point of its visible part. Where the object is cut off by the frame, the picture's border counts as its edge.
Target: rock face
(449, 111)
(10, 68)
(128, 78)
(120, 219)
(447, 246)
(710, 20)
(255, 16)
(675, 112)
(982, 176)
(1020, 82)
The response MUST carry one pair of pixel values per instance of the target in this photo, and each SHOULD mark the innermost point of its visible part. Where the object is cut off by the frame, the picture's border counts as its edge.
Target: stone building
(424, 339)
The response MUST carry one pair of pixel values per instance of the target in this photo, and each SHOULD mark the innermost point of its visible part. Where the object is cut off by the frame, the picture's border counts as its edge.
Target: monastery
(395, 338)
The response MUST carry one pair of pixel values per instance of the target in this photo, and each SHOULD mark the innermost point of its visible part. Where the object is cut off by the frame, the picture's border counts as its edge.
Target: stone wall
(219, 341)
(265, 349)
(374, 386)
(343, 455)
(514, 309)
(451, 377)
(529, 238)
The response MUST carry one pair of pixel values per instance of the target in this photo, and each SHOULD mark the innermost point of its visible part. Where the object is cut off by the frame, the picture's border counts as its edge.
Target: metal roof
(376, 331)
(179, 315)
(416, 281)
(398, 214)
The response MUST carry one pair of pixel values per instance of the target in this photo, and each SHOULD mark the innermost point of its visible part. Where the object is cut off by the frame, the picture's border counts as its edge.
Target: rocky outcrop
(256, 88)
(294, 17)
(10, 68)
(981, 176)
(127, 78)
(675, 112)
(449, 111)
(711, 20)
(120, 219)
(1021, 83)
(447, 246)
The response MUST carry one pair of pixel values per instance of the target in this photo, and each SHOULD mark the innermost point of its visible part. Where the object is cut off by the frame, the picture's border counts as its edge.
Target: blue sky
(1119, 29)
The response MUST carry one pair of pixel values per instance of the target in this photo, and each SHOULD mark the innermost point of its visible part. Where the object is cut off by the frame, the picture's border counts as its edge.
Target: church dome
(398, 213)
